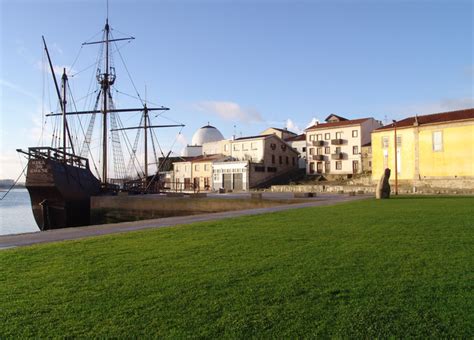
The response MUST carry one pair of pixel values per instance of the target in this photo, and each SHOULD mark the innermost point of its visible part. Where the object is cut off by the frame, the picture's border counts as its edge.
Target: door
(238, 181)
(320, 167)
(227, 181)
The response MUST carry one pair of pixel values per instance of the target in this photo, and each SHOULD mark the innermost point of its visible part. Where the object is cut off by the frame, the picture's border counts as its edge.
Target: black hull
(60, 193)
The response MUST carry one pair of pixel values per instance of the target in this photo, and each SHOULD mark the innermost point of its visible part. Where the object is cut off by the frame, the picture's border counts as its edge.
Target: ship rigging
(59, 178)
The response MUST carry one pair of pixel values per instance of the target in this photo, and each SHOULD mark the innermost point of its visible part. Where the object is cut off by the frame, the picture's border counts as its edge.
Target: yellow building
(436, 149)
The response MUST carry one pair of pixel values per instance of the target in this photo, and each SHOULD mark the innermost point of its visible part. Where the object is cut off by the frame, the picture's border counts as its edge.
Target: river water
(16, 216)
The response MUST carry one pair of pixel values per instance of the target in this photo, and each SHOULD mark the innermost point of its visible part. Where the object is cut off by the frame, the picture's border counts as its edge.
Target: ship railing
(46, 152)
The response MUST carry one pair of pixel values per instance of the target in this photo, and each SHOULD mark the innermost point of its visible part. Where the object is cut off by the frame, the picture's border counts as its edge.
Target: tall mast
(145, 113)
(61, 103)
(105, 93)
(64, 102)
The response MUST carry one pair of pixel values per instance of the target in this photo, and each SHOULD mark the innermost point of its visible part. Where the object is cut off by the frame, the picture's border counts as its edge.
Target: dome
(206, 134)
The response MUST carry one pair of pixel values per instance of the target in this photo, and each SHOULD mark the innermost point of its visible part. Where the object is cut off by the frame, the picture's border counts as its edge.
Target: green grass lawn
(401, 267)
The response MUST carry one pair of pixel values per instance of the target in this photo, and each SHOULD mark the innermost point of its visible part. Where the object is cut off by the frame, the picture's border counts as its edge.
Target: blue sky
(248, 64)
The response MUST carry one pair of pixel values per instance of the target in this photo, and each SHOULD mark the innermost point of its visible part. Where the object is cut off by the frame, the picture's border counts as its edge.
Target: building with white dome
(205, 134)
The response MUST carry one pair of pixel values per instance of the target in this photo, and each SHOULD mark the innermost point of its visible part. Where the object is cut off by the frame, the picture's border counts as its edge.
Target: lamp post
(396, 156)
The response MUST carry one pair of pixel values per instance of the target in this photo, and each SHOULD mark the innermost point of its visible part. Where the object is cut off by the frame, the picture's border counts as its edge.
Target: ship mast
(62, 101)
(106, 80)
(105, 92)
(64, 81)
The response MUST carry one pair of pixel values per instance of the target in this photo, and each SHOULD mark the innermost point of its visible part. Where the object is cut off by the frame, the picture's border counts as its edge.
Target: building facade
(265, 156)
(299, 144)
(335, 147)
(436, 149)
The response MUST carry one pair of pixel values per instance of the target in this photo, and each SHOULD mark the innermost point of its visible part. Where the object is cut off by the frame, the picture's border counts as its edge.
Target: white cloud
(56, 48)
(312, 122)
(290, 125)
(230, 111)
(444, 105)
(11, 165)
(58, 69)
(181, 139)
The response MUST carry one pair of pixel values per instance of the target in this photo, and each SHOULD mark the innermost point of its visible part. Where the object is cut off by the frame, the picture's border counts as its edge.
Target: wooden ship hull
(60, 191)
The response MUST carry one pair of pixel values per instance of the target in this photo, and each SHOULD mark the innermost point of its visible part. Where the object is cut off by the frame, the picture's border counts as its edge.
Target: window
(319, 151)
(280, 159)
(399, 141)
(207, 167)
(287, 160)
(327, 136)
(311, 138)
(271, 169)
(245, 147)
(253, 145)
(385, 143)
(259, 169)
(355, 133)
(327, 167)
(273, 159)
(338, 149)
(293, 160)
(355, 166)
(196, 167)
(355, 149)
(437, 141)
(236, 147)
(304, 149)
(311, 168)
(226, 147)
(338, 135)
(327, 150)
(319, 136)
(311, 151)
(338, 165)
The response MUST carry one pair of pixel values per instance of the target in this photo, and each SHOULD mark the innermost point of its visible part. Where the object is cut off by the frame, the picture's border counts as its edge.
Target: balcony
(318, 143)
(337, 141)
(318, 157)
(337, 156)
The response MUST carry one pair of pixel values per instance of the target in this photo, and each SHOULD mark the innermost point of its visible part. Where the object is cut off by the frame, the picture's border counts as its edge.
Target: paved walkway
(10, 241)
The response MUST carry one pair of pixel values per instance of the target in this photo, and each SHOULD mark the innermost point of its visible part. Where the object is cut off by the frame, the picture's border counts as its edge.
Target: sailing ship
(59, 179)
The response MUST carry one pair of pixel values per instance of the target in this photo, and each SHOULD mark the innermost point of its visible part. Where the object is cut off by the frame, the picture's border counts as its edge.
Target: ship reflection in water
(16, 216)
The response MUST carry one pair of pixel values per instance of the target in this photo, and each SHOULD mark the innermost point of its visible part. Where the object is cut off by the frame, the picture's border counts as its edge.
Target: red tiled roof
(296, 138)
(337, 124)
(432, 119)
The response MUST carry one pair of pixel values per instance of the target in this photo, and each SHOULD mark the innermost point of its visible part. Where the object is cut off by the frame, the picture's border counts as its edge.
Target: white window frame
(437, 147)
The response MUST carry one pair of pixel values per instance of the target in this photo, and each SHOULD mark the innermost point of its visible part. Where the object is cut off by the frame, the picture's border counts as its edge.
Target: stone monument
(383, 187)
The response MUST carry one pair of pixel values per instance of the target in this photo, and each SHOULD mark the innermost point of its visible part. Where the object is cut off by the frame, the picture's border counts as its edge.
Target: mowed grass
(400, 267)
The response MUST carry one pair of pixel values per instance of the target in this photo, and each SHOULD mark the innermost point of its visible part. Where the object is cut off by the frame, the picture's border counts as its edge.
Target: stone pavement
(11, 241)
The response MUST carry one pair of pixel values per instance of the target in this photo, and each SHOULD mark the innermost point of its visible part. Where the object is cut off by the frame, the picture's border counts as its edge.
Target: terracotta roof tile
(296, 138)
(432, 119)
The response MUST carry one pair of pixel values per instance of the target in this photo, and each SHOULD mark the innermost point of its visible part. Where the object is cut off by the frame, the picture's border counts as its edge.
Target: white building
(264, 156)
(232, 175)
(206, 134)
(335, 147)
(299, 144)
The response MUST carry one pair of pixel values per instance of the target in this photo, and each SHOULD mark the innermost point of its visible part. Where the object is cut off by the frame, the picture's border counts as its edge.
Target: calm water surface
(15, 213)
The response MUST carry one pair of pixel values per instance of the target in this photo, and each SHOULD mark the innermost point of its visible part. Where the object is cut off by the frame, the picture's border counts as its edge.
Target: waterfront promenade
(10, 241)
